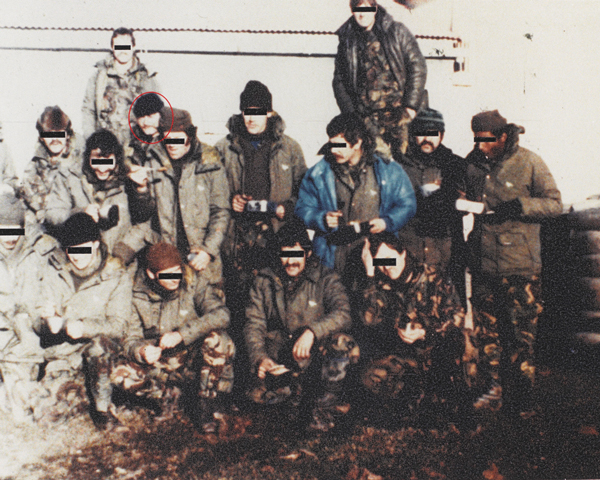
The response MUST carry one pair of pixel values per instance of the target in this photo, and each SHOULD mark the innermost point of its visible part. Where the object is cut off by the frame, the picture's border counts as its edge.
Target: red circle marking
(129, 118)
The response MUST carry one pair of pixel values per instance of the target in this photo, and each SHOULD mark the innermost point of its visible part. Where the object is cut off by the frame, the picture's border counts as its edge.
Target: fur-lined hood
(236, 127)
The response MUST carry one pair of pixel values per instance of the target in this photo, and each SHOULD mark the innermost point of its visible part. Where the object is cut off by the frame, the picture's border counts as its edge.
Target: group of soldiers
(171, 272)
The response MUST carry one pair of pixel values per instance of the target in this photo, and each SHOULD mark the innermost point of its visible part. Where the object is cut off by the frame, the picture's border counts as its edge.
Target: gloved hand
(509, 210)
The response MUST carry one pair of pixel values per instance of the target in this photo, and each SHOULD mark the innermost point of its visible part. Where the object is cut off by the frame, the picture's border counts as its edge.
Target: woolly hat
(79, 228)
(427, 120)
(162, 256)
(12, 211)
(147, 104)
(489, 121)
(182, 120)
(256, 95)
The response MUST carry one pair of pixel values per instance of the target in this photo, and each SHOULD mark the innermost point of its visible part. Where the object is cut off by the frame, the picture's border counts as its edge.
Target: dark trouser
(506, 315)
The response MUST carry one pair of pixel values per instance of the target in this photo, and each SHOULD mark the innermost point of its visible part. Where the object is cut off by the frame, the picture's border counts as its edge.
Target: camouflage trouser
(205, 367)
(390, 129)
(506, 315)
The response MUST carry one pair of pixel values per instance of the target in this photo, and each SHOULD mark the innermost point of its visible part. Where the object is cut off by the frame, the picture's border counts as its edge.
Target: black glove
(111, 220)
(509, 210)
(347, 234)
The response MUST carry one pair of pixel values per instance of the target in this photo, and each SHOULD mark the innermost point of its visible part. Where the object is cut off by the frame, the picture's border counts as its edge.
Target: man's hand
(377, 225)
(139, 175)
(301, 350)
(411, 113)
(201, 260)
(266, 365)
(367, 258)
(411, 334)
(75, 329)
(170, 340)
(238, 203)
(280, 212)
(47, 310)
(332, 219)
(55, 324)
(150, 354)
(93, 211)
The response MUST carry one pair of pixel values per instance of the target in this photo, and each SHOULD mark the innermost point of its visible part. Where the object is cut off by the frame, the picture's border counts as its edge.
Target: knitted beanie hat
(162, 256)
(256, 95)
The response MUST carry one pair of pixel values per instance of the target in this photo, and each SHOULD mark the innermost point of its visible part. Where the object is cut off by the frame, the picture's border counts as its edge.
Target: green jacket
(319, 303)
(510, 246)
(194, 310)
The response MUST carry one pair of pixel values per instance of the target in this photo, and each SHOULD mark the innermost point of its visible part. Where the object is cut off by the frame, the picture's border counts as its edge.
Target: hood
(41, 152)
(476, 158)
(144, 285)
(236, 127)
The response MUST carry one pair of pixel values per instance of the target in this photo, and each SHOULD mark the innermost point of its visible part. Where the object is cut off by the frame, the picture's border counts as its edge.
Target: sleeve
(545, 200)
(340, 80)
(8, 175)
(337, 308)
(308, 206)
(255, 330)
(28, 191)
(403, 203)
(298, 171)
(59, 204)
(210, 314)
(219, 212)
(370, 302)
(135, 336)
(88, 111)
(416, 68)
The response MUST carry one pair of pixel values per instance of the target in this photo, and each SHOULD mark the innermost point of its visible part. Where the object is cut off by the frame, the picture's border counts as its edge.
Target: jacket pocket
(514, 253)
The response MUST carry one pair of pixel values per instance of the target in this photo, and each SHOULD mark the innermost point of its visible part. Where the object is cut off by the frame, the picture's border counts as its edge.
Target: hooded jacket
(318, 196)
(203, 199)
(510, 246)
(286, 167)
(109, 95)
(403, 55)
(194, 310)
(319, 303)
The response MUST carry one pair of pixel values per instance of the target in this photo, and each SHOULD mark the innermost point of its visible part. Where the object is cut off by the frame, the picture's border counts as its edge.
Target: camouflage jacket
(7, 168)
(194, 310)
(510, 246)
(319, 302)
(109, 96)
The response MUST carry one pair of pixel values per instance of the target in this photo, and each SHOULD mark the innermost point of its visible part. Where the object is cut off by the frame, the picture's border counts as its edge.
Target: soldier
(263, 165)
(89, 307)
(96, 187)
(434, 234)
(410, 329)
(59, 145)
(379, 73)
(296, 319)
(7, 168)
(182, 189)
(516, 191)
(179, 340)
(120, 78)
(352, 192)
(147, 130)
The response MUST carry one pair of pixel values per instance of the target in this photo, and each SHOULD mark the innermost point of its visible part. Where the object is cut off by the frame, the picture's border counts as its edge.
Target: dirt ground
(561, 442)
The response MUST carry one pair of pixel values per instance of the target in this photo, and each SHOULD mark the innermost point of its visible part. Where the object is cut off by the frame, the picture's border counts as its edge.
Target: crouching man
(410, 330)
(179, 342)
(296, 317)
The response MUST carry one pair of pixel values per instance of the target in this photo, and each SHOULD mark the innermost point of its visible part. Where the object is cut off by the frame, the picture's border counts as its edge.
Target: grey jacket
(194, 311)
(320, 303)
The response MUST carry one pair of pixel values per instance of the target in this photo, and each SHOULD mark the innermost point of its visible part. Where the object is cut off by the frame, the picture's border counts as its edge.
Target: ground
(562, 441)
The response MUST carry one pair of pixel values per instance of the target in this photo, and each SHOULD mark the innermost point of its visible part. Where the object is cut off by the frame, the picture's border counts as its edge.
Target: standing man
(352, 192)
(262, 165)
(121, 77)
(517, 192)
(182, 189)
(380, 73)
(58, 146)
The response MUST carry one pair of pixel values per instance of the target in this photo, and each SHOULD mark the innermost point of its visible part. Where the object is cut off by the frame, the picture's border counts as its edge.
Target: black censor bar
(122, 47)
(484, 139)
(79, 250)
(384, 262)
(53, 134)
(337, 145)
(12, 231)
(255, 111)
(103, 161)
(364, 9)
(174, 141)
(427, 133)
(170, 276)
(291, 254)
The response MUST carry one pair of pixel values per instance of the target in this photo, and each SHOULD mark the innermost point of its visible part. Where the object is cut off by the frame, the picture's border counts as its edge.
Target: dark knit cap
(489, 121)
(182, 120)
(427, 120)
(147, 104)
(294, 231)
(79, 228)
(256, 95)
(12, 210)
(162, 256)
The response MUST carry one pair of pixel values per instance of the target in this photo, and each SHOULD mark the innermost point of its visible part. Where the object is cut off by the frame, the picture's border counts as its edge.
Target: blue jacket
(317, 197)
